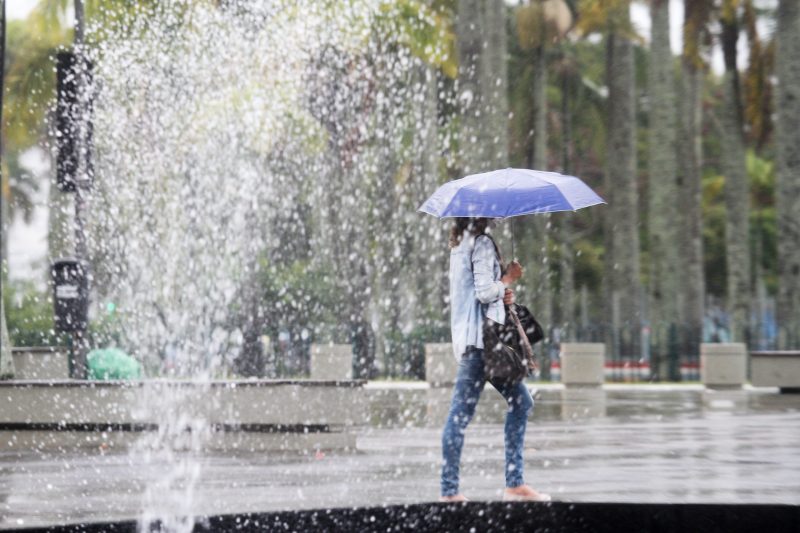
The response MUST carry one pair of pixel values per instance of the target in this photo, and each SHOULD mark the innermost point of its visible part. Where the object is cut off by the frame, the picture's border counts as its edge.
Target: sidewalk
(641, 445)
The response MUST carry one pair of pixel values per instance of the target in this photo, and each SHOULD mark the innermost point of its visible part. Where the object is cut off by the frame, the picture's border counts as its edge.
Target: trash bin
(70, 295)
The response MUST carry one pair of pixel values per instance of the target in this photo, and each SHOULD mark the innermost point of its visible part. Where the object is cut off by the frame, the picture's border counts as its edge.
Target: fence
(656, 352)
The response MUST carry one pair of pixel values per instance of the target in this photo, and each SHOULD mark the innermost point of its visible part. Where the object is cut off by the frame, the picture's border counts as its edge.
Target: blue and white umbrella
(508, 193)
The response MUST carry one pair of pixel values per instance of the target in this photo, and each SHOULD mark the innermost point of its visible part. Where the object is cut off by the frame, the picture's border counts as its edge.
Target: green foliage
(763, 220)
(696, 31)
(713, 203)
(18, 188)
(598, 16)
(29, 315)
(28, 94)
(763, 224)
(589, 264)
(426, 31)
(30, 82)
(298, 293)
(105, 328)
(756, 84)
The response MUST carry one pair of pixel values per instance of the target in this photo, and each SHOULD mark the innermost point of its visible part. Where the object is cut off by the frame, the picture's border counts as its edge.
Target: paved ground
(625, 444)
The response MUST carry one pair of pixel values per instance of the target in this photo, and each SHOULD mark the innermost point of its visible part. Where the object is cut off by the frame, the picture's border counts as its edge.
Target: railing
(656, 352)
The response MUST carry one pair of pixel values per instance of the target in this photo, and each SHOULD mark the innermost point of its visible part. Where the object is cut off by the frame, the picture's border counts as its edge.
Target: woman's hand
(508, 297)
(513, 273)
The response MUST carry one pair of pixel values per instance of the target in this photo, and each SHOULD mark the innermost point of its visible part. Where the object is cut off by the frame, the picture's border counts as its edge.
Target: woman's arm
(487, 289)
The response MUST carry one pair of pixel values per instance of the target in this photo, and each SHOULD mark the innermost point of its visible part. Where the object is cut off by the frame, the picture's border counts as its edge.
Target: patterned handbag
(508, 348)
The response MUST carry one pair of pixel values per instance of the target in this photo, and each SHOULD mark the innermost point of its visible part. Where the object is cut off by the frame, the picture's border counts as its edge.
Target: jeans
(470, 381)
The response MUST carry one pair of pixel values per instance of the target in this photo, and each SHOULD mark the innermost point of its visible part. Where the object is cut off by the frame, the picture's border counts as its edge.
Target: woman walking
(479, 287)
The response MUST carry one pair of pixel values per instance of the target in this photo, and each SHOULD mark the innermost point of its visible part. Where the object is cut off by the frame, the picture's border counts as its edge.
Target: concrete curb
(496, 516)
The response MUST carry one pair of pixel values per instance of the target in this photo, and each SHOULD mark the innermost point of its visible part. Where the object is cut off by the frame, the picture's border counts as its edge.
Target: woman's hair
(475, 227)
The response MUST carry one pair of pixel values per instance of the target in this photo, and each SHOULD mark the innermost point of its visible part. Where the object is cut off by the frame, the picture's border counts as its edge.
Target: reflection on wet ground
(627, 444)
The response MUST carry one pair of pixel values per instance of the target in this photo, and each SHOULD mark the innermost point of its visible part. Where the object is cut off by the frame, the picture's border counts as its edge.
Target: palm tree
(662, 186)
(788, 163)
(692, 289)
(481, 46)
(622, 285)
(540, 25)
(533, 234)
(567, 73)
(756, 84)
(623, 298)
(494, 85)
(737, 198)
(470, 29)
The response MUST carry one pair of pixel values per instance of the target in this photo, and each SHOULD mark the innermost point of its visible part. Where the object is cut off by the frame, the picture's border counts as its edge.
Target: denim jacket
(475, 291)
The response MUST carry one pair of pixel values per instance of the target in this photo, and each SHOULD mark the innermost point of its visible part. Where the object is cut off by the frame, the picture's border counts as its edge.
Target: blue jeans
(469, 384)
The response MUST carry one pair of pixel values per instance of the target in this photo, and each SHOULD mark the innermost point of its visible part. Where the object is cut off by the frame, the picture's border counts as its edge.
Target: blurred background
(256, 169)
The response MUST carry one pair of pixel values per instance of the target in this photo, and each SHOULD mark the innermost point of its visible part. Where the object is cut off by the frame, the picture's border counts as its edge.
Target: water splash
(239, 141)
(234, 138)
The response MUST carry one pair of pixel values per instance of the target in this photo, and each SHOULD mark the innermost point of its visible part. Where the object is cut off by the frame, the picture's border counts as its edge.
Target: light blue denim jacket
(475, 291)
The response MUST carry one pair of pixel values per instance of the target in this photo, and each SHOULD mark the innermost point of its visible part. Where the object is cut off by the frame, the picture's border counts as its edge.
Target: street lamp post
(71, 276)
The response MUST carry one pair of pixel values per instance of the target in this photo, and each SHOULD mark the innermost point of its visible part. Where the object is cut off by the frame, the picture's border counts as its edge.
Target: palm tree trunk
(538, 155)
(429, 247)
(622, 220)
(567, 296)
(532, 232)
(540, 271)
(692, 289)
(494, 89)
(662, 194)
(737, 200)
(494, 85)
(469, 36)
(788, 163)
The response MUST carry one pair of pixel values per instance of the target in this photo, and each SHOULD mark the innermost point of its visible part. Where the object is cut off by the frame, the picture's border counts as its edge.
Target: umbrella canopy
(508, 193)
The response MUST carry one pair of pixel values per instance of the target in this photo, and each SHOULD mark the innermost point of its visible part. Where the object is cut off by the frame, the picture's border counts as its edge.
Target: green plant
(29, 315)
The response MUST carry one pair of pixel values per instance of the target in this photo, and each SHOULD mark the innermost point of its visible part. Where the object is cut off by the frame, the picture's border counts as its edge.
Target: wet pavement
(620, 444)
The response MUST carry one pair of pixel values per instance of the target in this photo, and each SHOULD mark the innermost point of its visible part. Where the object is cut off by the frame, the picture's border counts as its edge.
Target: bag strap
(496, 252)
(527, 349)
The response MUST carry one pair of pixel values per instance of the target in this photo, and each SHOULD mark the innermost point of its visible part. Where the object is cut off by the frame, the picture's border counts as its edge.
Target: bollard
(331, 362)
(582, 364)
(441, 365)
(723, 365)
(39, 363)
(776, 369)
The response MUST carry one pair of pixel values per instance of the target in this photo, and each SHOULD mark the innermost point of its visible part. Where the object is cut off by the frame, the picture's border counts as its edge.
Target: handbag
(508, 348)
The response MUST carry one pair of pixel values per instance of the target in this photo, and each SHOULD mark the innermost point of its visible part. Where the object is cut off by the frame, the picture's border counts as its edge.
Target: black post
(674, 354)
(72, 177)
(70, 278)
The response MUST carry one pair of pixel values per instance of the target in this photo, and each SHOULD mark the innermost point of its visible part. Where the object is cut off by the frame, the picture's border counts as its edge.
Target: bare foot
(454, 498)
(524, 493)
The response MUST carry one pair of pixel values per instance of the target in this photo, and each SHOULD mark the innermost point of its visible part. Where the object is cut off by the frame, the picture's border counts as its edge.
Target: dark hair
(475, 227)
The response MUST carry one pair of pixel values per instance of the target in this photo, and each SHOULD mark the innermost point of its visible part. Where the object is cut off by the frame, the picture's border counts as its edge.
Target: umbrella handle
(513, 257)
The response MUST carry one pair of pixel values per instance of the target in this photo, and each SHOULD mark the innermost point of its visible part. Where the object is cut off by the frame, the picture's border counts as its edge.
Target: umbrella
(510, 192)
